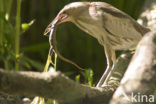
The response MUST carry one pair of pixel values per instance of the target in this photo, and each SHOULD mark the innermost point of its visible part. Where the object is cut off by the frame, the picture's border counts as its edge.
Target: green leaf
(77, 78)
(26, 26)
(88, 75)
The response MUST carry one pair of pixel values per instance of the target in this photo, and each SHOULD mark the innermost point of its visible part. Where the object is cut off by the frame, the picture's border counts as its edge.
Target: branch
(55, 85)
(148, 18)
(52, 85)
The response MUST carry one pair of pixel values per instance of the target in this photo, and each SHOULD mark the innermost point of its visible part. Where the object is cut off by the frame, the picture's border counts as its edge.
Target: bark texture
(148, 16)
(52, 85)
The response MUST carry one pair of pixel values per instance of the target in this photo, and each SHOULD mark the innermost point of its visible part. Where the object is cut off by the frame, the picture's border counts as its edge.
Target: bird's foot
(107, 87)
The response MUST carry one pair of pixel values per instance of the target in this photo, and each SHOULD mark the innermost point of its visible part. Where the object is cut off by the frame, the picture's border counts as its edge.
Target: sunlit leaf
(26, 26)
(77, 78)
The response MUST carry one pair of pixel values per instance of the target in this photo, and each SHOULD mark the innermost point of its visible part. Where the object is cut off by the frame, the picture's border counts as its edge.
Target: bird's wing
(110, 9)
(118, 23)
(123, 31)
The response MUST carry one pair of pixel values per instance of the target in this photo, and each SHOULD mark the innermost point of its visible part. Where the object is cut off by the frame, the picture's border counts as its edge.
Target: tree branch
(148, 18)
(52, 85)
(55, 85)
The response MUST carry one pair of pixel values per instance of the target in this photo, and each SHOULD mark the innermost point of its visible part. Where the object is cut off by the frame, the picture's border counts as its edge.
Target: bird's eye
(63, 16)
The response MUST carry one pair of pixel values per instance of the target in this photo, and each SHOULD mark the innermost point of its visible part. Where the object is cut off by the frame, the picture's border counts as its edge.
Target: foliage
(10, 38)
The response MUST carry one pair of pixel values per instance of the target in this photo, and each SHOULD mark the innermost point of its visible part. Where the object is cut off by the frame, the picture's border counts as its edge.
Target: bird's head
(68, 13)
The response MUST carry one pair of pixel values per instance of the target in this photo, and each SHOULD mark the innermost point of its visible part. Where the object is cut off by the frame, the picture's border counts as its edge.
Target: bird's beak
(61, 18)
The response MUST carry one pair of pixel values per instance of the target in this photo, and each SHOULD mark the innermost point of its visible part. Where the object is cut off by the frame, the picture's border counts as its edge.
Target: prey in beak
(60, 18)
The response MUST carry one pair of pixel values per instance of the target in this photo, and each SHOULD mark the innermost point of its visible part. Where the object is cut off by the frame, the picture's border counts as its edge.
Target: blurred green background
(72, 43)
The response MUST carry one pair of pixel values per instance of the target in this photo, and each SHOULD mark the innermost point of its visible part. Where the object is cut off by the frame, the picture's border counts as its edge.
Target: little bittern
(113, 29)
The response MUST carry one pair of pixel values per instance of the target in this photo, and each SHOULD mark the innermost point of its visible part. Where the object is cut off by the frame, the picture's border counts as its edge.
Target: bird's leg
(113, 57)
(109, 65)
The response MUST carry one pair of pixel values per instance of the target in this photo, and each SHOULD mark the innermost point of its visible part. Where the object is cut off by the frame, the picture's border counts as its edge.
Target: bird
(113, 29)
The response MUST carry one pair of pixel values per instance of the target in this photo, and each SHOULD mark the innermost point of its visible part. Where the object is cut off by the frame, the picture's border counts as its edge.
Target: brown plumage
(113, 29)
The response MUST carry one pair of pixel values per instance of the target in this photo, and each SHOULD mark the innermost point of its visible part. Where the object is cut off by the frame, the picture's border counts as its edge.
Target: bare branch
(148, 16)
(52, 85)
